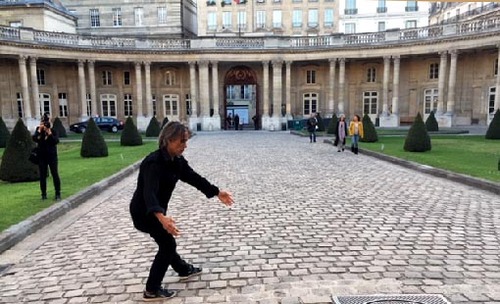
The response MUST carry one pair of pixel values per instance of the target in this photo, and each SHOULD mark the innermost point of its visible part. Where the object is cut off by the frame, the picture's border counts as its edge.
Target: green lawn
(21, 200)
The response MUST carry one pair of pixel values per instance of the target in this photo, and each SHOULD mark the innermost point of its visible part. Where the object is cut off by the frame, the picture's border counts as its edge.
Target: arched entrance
(240, 99)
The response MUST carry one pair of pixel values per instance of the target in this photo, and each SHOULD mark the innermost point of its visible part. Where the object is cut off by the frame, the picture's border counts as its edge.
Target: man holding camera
(47, 139)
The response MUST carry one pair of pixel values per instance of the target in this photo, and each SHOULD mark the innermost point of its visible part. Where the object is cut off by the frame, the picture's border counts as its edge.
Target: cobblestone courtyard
(308, 223)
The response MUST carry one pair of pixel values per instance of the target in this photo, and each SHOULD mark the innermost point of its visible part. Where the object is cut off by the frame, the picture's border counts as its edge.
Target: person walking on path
(312, 125)
(158, 175)
(356, 131)
(47, 140)
(341, 133)
(236, 122)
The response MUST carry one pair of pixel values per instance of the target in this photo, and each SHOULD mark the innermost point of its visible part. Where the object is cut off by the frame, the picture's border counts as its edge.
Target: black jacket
(311, 124)
(46, 144)
(158, 175)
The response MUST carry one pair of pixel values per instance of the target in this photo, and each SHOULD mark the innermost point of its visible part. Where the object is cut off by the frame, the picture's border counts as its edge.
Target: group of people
(355, 130)
(232, 121)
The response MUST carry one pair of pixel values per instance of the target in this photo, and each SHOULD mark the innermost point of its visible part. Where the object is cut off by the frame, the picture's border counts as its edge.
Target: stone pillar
(442, 76)
(216, 119)
(385, 89)
(395, 86)
(277, 94)
(341, 85)
(34, 89)
(497, 90)
(288, 92)
(82, 89)
(265, 95)
(149, 96)
(138, 83)
(193, 120)
(204, 95)
(24, 88)
(450, 103)
(93, 91)
(331, 92)
(390, 117)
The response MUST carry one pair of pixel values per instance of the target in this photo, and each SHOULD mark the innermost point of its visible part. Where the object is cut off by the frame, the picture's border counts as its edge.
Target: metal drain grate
(392, 299)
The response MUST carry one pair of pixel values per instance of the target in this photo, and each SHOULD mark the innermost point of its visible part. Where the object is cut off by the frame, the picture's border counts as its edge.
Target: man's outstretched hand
(226, 198)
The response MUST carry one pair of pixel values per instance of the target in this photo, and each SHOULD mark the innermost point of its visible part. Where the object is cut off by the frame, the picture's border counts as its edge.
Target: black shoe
(58, 197)
(160, 294)
(44, 196)
(193, 271)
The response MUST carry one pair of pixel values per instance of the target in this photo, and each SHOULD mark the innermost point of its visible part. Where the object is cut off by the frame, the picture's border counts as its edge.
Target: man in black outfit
(158, 175)
(47, 139)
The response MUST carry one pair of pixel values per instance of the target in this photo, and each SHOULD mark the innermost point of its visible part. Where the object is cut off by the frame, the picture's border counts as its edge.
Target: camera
(46, 121)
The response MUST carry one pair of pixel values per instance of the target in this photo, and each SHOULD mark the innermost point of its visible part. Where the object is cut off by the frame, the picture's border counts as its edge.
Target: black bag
(34, 158)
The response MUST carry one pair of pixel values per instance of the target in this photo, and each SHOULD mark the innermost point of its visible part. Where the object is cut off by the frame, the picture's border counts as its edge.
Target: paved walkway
(308, 223)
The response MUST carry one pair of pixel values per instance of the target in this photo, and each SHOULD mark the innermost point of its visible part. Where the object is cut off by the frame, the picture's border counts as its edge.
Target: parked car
(109, 124)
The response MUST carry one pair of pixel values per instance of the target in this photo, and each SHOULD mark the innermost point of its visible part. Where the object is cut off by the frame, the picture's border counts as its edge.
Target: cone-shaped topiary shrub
(494, 128)
(431, 123)
(321, 123)
(60, 129)
(164, 122)
(370, 134)
(4, 134)
(93, 144)
(418, 139)
(130, 134)
(15, 165)
(332, 126)
(153, 129)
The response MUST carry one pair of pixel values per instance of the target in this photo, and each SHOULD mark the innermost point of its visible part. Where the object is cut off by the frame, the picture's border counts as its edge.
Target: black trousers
(42, 166)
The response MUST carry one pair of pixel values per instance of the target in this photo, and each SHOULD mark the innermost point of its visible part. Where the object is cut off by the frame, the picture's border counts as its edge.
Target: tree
(494, 128)
(4, 134)
(418, 139)
(164, 122)
(153, 129)
(130, 135)
(332, 126)
(321, 124)
(370, 134)
(431, 123)
(93, 144)
(15, 166)
(60, 129)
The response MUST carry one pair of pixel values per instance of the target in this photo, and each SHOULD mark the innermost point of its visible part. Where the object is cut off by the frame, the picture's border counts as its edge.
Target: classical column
(93, 91)
(331, 92)
(149, 96)
(497, 86)
(395, 86)
(24, 86)
(288, 88)
(450, 103)
(193, 87)
(442, 76)
(341, 85)
(277, 87)
(34, 89)
(138, 82)
(215, 89)
(204, 89)
(385, 89)
(265, 89)
(81, 87)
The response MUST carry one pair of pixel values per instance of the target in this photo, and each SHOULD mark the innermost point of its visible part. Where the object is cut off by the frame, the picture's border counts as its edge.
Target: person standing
(341, 133)
(158, 175)
(312, 125)
(236, 122)
(356, 131)
(47, 140)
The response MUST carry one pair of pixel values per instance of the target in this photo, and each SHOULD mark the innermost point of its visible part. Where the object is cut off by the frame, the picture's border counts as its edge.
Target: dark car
(109, 124)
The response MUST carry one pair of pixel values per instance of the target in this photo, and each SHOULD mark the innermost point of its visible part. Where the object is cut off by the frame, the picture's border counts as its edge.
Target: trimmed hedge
(164, 122)
(4, 134)
(417, 140)
(60, 129)
(153, 129)
(431, 123)
(93, 144)
(321, 123)
(494, 128)
(130, 135)
(332, 126)
(370, 134)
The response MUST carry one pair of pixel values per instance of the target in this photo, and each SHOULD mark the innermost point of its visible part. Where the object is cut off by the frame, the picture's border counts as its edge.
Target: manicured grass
(469, 155)
(21, 200)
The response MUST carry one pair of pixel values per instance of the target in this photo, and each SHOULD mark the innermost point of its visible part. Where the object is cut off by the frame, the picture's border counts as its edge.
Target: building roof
(56, 4)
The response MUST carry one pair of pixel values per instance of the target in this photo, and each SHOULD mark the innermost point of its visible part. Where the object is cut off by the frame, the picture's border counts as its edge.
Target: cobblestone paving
(308, 223)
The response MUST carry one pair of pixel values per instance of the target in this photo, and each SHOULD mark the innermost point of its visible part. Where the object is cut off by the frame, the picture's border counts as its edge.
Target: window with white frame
(63, 104)
(169, 78)
(127, 104)
(107, 78)
(20, 105)
(108, 105)
(171, 102)
(328, 21)
(89, 104)
(45, 104)
(310, 76)
(242, 20)
(231, 92)
(212, 21)
(126, 78)
(277, 23)
(260, 21)
(162, 15)
(310, 101)
(430, 100)
(491, 100)
(117, 16)
(370, 102)
(15, 23)
(40, 76)
(188, 104)
(411, 24)
(371, 75)
(350, 7)
(411, 6)
(153, 101)
(495, 67)
(350, 28)
(138, 16)
(95, 20)
(226, 20)
(382, 6)
(297, 18)
(381, 26)
(312, 18)
(434, 71)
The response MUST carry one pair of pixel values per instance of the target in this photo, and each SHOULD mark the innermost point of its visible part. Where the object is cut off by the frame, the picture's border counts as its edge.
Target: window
(153, 101)
(226, 20)
(188, 104)
(328, 22)
(260, 19)
(45, 104)
(94, 18)
(63, 105)
(430, 100)
(127, 104)
(350, 28)
(212, 21)
(242, 20)
(169, 78)
(491, 100)
(20, 105)
(350, 7)
(226, 2)
(15, 24)
(495, 68)
(310, 101)
(107, 78)
(411, 24)
(370, 101)
(230, 92)
(89, 105)
(312, 18)
(117, 17)
(162, 15)
(434, 71)
(139, 16)
(411, 6)
(382, 7)
(40, 76)
(108, 104)
(381, 26)
(277, 19)
(126, 78)
(370, 76)
(310, 76)
(457, 12)
(297, 18)
(171, 102)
